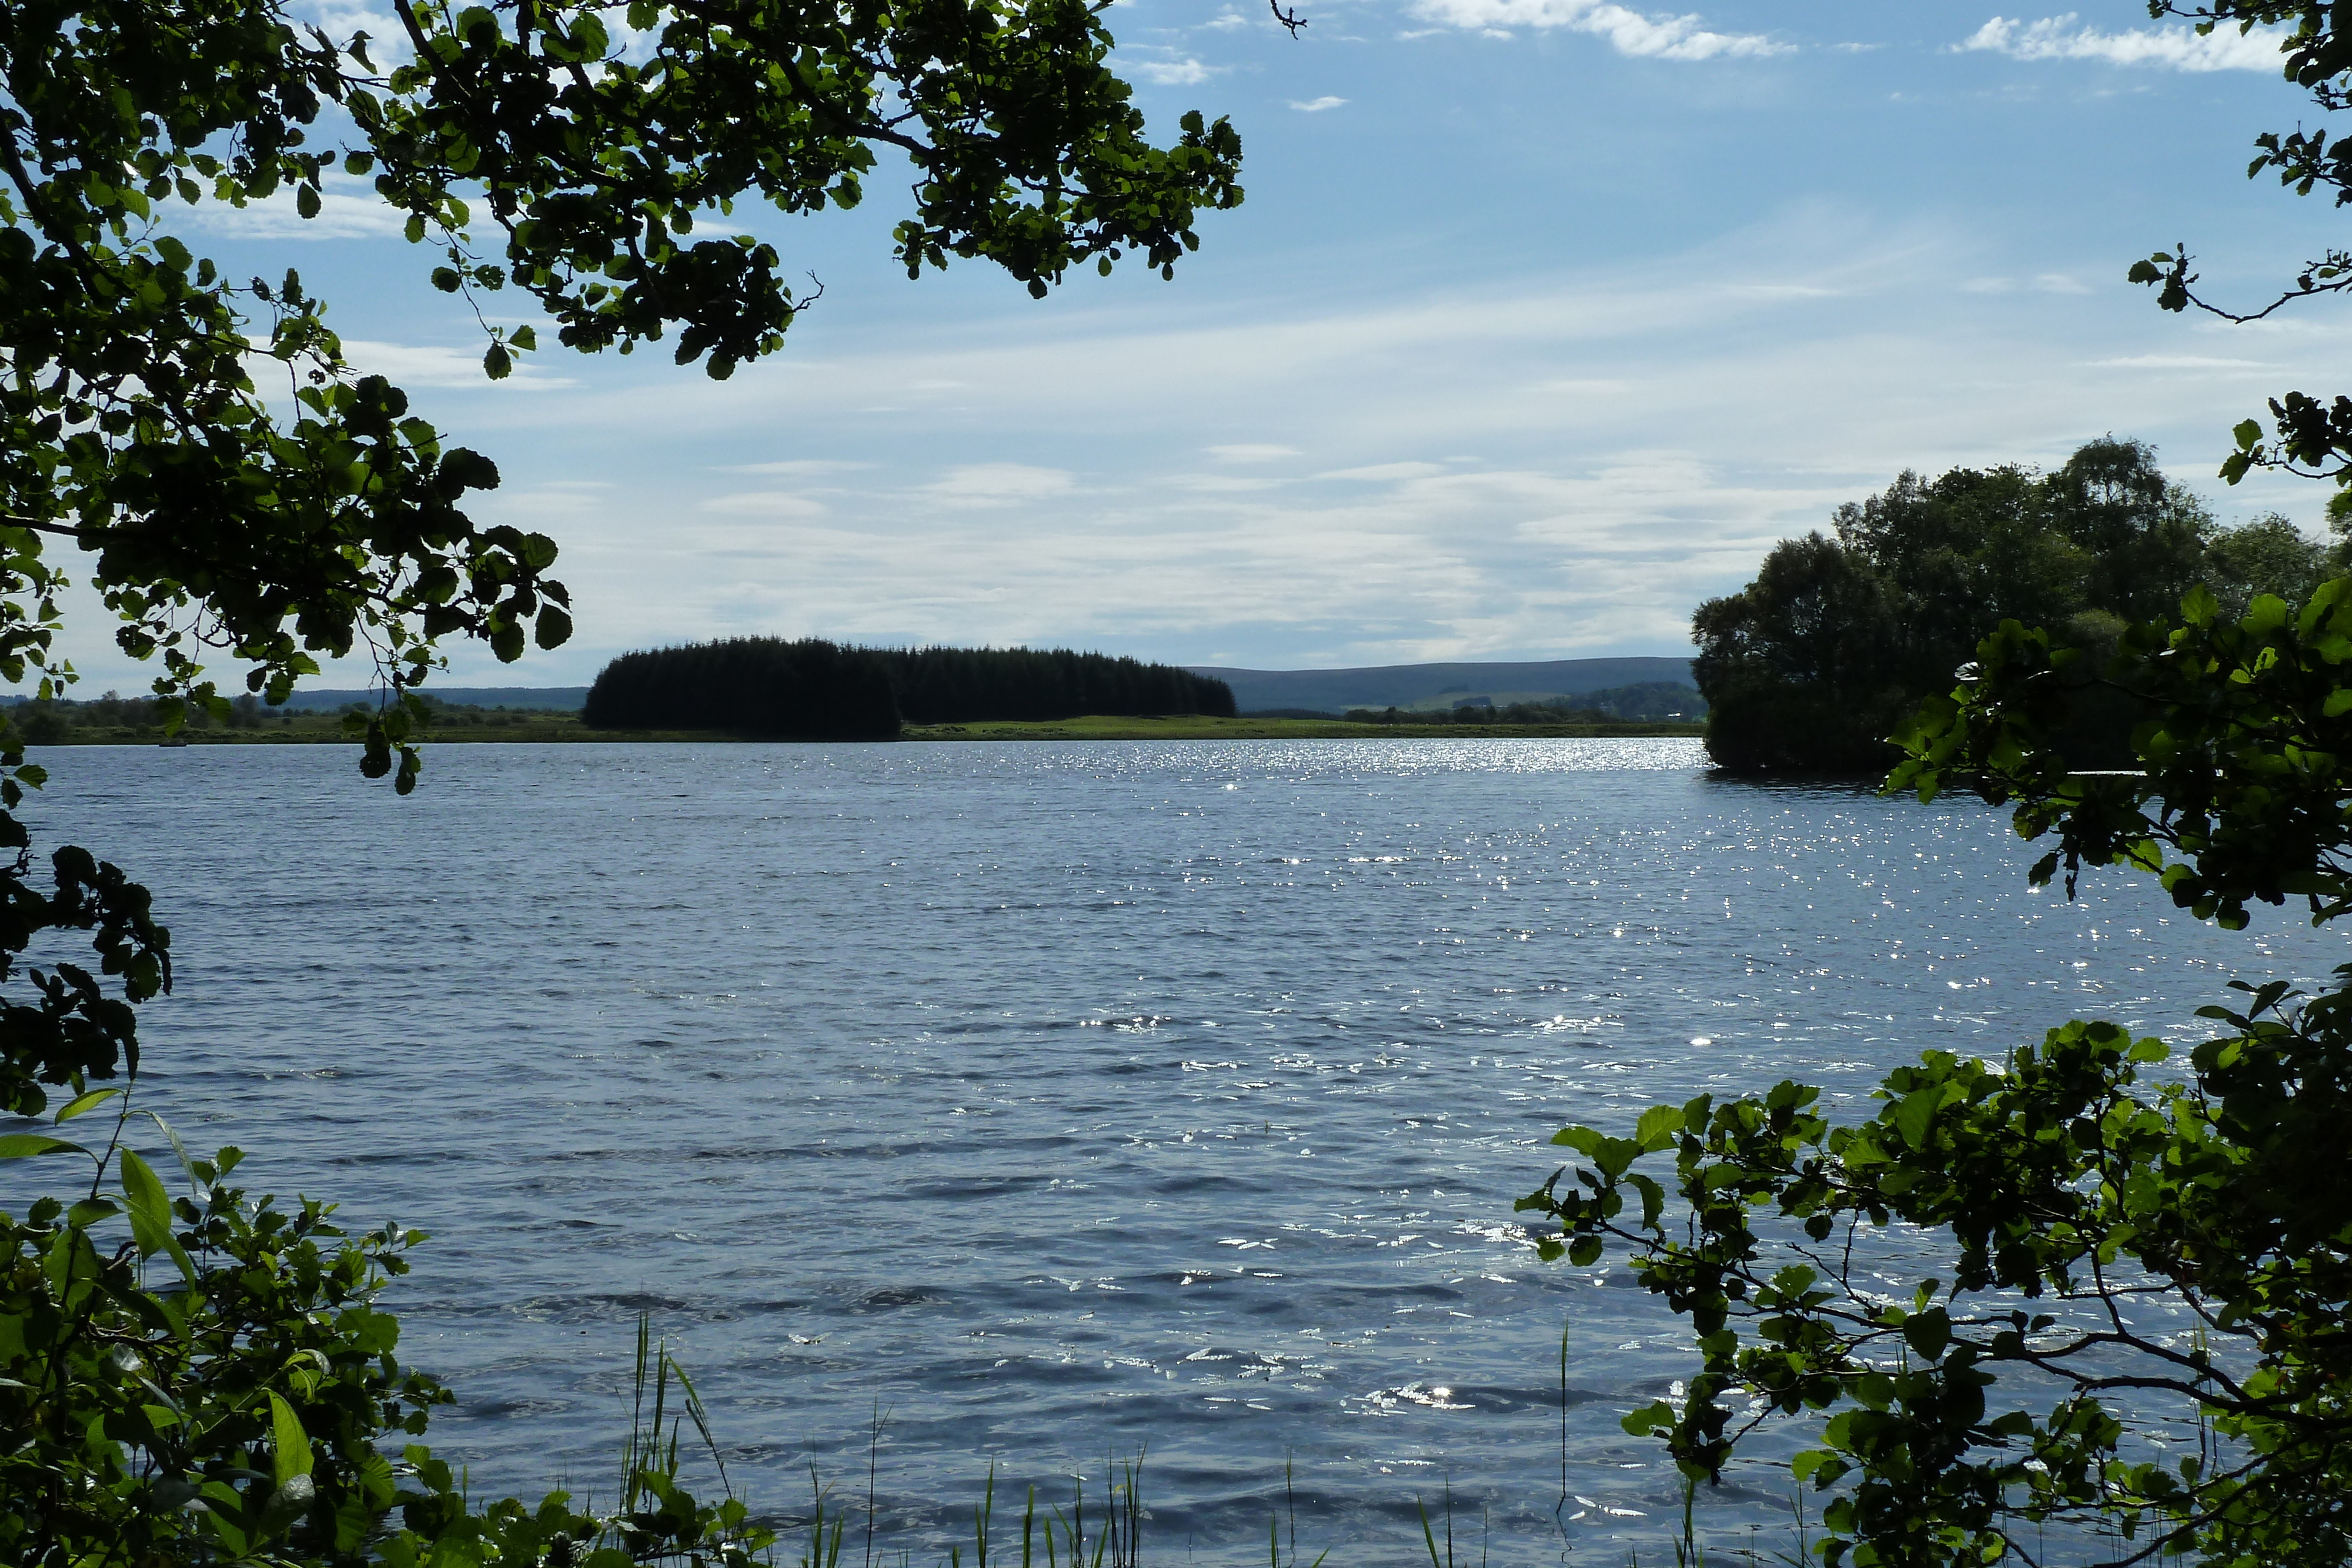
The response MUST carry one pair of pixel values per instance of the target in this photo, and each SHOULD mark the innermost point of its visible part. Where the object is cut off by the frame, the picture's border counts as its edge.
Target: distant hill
(1438, 685)
(553, 699)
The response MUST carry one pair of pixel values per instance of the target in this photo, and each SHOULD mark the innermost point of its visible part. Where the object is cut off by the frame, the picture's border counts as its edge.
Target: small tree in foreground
(2114, 1239)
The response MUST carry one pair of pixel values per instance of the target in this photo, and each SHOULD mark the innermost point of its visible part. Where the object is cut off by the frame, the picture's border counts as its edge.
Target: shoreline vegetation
(815, 690)
(545, 727)
(1818, 664)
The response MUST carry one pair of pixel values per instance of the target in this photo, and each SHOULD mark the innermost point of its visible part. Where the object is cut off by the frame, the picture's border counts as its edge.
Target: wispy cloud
(999, 485)
(1185, 72)
(797, 467)
(413, 365)
(1379, 472)
(1627, 31)
(2041, 283)
(763, 504)
(2172, 48)
(1297, 500)
(348, 209)
(1315, 105)
(2178, 362)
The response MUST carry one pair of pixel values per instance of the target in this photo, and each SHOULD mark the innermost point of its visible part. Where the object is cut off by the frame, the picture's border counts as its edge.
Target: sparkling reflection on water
(1062, 1098)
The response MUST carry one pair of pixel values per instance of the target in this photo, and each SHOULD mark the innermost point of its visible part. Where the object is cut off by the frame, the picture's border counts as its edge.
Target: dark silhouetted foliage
(809, 690)
(1810, 666)
(967, 686)
(817, 690)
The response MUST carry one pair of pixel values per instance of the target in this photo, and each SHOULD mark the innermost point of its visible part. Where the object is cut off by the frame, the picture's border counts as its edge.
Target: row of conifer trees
(813, 689)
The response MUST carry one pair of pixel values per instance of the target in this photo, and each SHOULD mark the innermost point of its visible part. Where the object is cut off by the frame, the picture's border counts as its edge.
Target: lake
(1049, 1101)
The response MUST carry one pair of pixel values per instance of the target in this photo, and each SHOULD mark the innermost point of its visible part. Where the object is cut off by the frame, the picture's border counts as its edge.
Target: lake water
(1057, 1099)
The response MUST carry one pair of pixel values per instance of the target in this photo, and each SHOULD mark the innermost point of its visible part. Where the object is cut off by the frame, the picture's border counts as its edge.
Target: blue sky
(1543, 319)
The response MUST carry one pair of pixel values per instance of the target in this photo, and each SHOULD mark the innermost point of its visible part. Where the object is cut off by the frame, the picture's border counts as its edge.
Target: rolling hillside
(1437, 686)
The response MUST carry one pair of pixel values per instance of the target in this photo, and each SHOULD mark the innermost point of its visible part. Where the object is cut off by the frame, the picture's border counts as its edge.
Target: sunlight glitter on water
(1062, 1097)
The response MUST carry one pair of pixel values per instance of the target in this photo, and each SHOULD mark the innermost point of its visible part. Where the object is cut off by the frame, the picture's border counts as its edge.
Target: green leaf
(83, 1104)
(1584, 1140)
(23, 1145)
(89, 1211)
(151, 1205)
(1653, 1198)
(293, 1444)
(1928, 1332)
(1648, 1418)
(1659, 1126)
(1915, 1115)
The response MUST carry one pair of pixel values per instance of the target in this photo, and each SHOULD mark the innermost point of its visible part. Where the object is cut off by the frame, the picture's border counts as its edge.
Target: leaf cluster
(2242, 792)
(237, 1408)
(2117, 1241)
(1813, 663)
(2072, 1193)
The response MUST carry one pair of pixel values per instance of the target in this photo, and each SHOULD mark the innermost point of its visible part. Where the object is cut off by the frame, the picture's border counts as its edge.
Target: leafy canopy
(2120, 1248)
(2116, 1243)
(582, 154)
(201, 1375)
(1810, 665)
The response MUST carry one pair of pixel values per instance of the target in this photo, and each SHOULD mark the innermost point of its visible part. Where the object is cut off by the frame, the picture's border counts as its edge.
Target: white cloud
(348, 209)
(2041, 283)
(999, 485)
(763, 504)
(2176, 49)
(412, 365)
(1226, 21)
(1628, 32)
(797, 468)
(1379, 473)
(1169, 73)
(1237, 476)
(2178, 362)
(1315, 105)
(1224, 483)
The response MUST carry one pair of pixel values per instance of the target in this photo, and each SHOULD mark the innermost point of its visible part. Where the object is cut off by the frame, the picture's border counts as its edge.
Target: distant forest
(1810, 667)
(817, 690)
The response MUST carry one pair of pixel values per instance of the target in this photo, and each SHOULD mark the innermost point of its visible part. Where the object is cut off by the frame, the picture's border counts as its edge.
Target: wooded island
(1833, 646)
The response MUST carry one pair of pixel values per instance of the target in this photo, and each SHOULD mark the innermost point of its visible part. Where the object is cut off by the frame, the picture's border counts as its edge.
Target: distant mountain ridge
(1421, 685)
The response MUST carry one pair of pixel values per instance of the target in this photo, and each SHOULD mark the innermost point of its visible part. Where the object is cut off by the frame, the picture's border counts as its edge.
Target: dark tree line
(964, 685)
(823, 691)
(1832, 647)
(809, 690)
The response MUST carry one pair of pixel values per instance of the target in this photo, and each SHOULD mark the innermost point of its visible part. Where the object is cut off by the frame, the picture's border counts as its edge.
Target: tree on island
(199, 1375)
(1813, 665)
(815, 690)
(2113, 1244)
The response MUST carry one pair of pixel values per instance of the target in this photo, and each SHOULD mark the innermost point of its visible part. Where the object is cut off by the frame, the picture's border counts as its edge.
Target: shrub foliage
(2125, 1239)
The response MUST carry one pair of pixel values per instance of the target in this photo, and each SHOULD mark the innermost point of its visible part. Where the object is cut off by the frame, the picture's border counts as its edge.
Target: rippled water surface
(1057, 1099)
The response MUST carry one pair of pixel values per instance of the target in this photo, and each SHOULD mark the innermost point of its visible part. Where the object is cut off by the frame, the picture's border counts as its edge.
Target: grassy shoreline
(564, 728)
